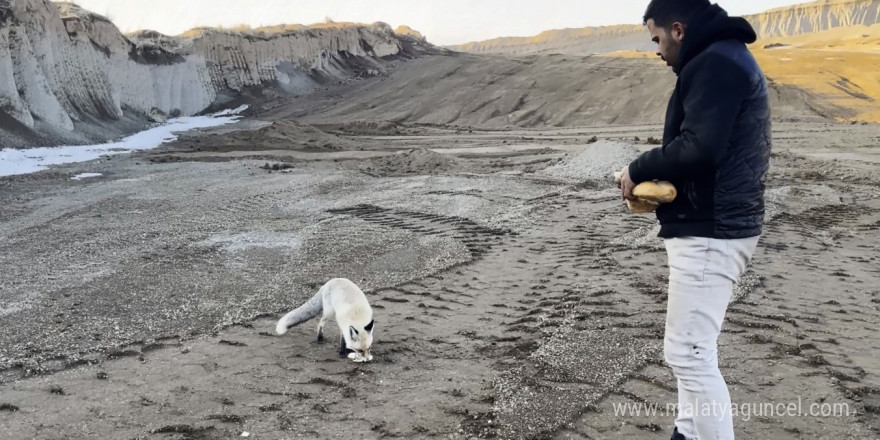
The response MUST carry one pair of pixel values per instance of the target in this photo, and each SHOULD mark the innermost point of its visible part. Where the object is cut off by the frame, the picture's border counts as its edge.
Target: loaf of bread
(660, 192)
(639, 206)
(649, 195)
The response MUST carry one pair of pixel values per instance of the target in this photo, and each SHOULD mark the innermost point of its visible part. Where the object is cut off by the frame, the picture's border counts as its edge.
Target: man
(716, 149)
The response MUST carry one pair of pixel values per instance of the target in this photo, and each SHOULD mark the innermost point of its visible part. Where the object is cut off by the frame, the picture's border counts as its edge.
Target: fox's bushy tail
(303, 313)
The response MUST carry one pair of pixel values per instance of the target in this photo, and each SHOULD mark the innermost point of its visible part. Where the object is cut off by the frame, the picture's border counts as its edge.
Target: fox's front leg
(343, 350)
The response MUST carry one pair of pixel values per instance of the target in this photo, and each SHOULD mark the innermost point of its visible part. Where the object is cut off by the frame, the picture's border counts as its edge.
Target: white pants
(702, 272)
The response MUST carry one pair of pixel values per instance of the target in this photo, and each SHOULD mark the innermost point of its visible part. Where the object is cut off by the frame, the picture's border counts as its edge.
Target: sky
(443, 22)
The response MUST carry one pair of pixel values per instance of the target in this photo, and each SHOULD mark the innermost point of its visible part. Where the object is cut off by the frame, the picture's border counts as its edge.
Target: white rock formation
(814, 17)
(61, 66)
(240, 60)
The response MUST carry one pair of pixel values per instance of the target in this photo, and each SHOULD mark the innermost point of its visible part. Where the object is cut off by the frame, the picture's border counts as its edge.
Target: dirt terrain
(512, 300)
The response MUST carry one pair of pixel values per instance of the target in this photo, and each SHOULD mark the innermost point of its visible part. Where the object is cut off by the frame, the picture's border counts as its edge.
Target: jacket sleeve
(713, 90)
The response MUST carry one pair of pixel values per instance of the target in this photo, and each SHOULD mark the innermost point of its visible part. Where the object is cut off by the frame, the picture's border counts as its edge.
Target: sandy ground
(514, 296)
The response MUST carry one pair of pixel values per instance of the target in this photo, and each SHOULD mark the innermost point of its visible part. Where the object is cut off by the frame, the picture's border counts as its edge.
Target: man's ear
(677, 31)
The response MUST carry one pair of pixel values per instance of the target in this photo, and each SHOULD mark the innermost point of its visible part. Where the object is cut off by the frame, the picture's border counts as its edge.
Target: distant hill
(781, 22)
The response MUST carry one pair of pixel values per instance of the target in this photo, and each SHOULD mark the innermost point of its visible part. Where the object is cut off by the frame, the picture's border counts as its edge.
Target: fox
(343, 300)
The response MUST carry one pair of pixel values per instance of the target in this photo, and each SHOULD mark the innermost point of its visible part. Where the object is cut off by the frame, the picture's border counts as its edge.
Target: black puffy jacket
(716, 143)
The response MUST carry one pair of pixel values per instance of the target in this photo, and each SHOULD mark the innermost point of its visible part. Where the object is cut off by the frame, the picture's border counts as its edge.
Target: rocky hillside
(504, 93)
(789, 21)
(583, 41)
(68, 75)
(815, 17)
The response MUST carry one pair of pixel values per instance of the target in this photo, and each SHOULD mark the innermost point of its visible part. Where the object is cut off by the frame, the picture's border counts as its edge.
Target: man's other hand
(626, 184)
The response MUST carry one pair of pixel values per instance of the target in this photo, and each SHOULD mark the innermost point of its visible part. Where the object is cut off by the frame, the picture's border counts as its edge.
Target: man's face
(668, 41)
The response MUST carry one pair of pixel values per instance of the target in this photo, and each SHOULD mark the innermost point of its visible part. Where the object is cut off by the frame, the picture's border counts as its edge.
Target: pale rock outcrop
(61, 66)
(10, 100)
(406, 30)
(814, 17)
(36, 88)
(163, 83)
(240, 60)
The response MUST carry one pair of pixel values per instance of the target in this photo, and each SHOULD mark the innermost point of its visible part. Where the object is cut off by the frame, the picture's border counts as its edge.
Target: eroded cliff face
(814, 17)
(788, 21)
(292, 57)
(65, 73)
(61, 65)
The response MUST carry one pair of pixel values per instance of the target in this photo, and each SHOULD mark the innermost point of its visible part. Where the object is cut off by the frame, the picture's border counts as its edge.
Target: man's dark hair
(666, 12)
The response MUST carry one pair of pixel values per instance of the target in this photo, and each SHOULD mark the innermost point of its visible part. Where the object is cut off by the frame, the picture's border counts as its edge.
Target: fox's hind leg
(320, 338)
(328, 312)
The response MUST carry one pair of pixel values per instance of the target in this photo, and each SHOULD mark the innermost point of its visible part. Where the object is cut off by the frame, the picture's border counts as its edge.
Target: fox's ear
(369, 327)
(352, 332)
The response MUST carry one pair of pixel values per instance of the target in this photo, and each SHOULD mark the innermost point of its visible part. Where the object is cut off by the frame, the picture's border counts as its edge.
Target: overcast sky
(442, 21)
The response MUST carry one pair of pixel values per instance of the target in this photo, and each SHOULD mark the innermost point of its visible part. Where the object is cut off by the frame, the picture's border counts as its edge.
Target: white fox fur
(343, 300)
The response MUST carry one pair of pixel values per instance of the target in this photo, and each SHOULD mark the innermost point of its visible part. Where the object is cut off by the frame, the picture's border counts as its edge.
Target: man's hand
(626, 184)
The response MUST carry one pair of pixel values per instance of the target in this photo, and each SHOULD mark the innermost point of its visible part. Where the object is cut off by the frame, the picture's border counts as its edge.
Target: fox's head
(361, 339)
